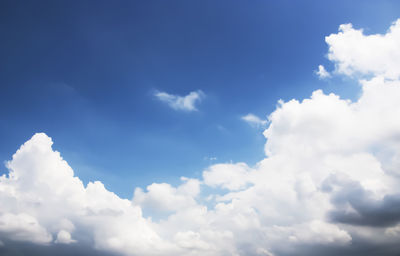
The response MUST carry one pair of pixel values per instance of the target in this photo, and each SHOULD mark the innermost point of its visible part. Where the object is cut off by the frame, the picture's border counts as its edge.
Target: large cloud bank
(329, 184)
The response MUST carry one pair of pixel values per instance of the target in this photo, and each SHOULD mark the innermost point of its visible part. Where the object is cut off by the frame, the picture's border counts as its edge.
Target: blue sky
(202, 128)
(85, 74)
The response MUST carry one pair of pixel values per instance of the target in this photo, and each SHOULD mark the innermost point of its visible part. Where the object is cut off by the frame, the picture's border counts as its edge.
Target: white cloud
(229, 176)
(322, 73)
(42, 200)
(23, 227)
(330, 179)
(64, 237)
(357, 53)
(254, 120)
(162, 197)
(186, 103)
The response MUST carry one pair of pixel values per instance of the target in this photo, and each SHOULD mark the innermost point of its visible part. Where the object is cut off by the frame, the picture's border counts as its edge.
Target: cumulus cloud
(64, 237)
(328, 185)
(229, 176)
(185, 103)
(23, 227)
(254, 120)
(357, 53)
(163, 197)
(322, 73)
(42, 202)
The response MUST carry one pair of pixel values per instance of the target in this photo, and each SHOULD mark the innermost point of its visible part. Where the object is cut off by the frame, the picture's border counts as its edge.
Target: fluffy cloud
(43, 202)
(162, 197)
(64, 237)
(229, 176)
(322, 73)
(23, 227)
(185, 103)
(357, 53)
(329, 184)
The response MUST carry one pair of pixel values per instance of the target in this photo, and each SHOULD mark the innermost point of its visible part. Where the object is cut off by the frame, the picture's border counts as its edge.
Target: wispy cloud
(210, 158)
(177, 102)
(322, 73)
(254, 120)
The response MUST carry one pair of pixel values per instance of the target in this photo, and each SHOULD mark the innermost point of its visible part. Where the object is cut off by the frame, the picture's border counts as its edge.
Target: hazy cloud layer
(329, 184)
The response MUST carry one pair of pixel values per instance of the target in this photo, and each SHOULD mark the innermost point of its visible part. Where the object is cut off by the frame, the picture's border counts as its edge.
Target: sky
(199, 127)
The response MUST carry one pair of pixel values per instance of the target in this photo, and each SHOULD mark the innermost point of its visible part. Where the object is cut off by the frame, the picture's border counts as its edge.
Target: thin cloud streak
(254, 120)
(183, 103)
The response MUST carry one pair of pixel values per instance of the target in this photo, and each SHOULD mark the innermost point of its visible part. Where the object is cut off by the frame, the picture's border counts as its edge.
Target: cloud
(328, 185)
(42, 200)
(185, 103)
(357, 53)
(254, 120)
(23, 227)
(64, 237)
(162, 197)
(210, 158)
(229, 176)
(322, 73)
(22, 248)
(365, 209)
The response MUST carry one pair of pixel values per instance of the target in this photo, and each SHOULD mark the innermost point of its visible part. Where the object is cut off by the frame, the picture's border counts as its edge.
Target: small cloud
(64, 237)
(254, 120)
(210, 158)
(185, 103)
(322, 73)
